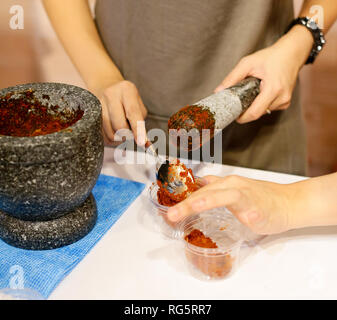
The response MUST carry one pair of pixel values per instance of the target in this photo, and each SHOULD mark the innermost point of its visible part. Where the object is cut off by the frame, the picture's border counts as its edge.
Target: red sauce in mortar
(27, 117)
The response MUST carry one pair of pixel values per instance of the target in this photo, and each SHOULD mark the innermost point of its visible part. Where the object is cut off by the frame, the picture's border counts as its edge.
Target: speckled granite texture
(55, 233)
(44, 270)
(227, 105)
(45, 177)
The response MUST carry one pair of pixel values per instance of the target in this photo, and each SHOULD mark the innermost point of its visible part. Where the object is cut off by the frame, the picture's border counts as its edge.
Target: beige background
(35, 54)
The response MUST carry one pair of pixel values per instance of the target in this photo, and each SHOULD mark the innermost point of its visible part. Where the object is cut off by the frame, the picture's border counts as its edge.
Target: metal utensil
(170, 172)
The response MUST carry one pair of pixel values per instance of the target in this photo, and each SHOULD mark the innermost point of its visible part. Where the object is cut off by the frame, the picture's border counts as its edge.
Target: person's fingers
(210, 179)
(240, 71)
(141, 136)
(206, 200)
(143, 110)
(230, 181)
(117, 115)
(108, 131)
(259, 105)
(142, 107)
(222, 184)
(251, 218)
(282, 102)
(284, 106)
(114, 105)
(215, 183)
(107, 141)
(133, 114)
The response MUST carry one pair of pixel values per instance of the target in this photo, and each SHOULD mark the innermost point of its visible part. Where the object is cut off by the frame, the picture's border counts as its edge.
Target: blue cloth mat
(44, 270)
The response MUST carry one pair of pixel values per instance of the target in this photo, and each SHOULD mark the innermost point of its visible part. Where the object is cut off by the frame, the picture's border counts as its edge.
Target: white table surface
(134, 261)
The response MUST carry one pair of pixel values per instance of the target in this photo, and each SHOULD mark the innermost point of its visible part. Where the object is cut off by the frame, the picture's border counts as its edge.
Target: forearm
(314, 202)
(324, 12)
(75, 28)
(299, 41)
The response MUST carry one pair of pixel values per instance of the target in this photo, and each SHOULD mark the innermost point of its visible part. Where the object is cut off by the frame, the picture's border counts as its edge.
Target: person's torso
(178, 51)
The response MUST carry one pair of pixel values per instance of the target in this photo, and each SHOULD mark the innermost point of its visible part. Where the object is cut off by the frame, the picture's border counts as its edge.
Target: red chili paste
(197, 238)
(168, 199)
(188, 118)
(214, 265)
(27, 117)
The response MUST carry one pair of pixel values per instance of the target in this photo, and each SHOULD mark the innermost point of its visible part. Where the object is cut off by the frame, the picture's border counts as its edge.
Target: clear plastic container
(219, 224)
(225, 231)
(159, 211)
(165, 226)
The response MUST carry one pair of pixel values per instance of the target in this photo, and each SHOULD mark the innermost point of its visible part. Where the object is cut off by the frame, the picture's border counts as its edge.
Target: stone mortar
(45, 177)
(46, 235)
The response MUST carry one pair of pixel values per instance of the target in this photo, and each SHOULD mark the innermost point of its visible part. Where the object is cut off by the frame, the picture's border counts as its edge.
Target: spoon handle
(149, 148)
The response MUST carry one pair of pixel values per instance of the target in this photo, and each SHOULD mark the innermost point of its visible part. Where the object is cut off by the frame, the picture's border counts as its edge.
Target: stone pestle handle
(228, 104)
(247, 90)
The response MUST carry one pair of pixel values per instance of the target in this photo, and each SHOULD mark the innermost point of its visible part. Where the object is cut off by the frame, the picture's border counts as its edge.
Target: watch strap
(317, 34)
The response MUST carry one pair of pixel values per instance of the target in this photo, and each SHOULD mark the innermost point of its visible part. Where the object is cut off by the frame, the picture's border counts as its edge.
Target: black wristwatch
(317, 34)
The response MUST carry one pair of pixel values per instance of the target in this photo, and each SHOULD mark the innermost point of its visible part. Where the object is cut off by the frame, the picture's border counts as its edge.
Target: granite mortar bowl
(45, 177)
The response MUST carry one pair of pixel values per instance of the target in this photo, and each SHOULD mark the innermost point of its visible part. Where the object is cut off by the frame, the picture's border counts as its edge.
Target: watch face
(312, 24)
